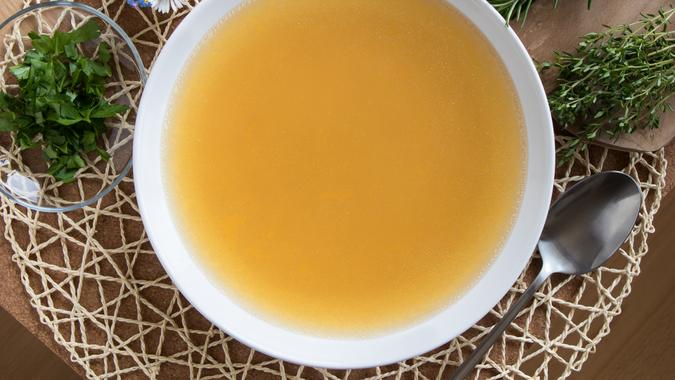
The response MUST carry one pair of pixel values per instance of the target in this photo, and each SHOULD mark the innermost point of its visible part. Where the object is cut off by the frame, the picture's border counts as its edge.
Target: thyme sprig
(618, 81)
(517, 9)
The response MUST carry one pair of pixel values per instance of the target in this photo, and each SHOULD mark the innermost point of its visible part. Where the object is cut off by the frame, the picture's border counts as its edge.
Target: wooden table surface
(545, 29)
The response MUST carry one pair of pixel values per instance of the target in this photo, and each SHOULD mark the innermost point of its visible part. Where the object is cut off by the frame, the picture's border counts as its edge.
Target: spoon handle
(476, 356)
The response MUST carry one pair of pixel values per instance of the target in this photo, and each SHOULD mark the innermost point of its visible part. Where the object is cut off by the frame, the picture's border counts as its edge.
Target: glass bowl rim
(143, 78)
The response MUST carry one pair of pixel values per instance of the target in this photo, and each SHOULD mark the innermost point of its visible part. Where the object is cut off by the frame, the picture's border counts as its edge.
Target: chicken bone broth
(345, 167)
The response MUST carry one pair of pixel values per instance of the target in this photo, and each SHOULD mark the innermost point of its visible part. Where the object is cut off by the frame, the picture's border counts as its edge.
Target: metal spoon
(587, 224)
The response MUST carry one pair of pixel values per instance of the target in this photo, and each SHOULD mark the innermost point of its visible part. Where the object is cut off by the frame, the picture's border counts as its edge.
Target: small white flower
(163, 6)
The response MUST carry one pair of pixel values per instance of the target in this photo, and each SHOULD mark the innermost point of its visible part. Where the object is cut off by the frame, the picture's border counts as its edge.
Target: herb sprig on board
(60, 106)
(618, 81)
(517, 9)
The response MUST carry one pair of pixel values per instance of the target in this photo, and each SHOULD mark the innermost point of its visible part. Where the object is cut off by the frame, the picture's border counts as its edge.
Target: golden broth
(345, 166)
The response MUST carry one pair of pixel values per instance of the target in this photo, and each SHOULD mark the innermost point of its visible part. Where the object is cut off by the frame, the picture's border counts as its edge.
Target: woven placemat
(95, 282)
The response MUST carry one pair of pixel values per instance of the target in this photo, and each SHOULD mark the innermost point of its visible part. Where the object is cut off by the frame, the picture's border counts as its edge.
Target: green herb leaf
(617, 82)
(7, 123)
(104, 53)
(21, 72)
(518, 9)
(61, 106)
(105, 110)
(87, 32)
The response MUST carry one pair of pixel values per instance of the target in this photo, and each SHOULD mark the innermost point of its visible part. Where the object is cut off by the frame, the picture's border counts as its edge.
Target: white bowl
(296, 346)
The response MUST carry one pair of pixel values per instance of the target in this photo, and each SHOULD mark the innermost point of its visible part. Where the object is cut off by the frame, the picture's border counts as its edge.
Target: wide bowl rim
(143, 78)
(347, 353)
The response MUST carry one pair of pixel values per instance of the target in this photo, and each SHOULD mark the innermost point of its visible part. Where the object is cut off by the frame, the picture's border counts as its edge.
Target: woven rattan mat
(95, 282)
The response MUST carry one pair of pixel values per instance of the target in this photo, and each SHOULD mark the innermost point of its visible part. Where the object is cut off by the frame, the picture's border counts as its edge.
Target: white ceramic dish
(299, 347)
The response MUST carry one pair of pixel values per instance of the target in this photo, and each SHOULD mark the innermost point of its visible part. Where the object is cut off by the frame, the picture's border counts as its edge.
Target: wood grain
(7, 7)
(23, 356)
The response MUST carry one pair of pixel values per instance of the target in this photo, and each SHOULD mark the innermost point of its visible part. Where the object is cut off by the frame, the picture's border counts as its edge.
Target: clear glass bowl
(23, 174)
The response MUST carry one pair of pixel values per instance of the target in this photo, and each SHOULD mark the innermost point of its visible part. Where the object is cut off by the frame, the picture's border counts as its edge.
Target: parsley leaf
(60, 106)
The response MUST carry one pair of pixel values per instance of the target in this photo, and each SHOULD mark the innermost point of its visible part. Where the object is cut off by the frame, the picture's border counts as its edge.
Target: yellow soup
(345, 167)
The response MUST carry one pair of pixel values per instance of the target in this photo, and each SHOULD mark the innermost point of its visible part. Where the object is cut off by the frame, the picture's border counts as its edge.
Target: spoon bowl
(589, 223)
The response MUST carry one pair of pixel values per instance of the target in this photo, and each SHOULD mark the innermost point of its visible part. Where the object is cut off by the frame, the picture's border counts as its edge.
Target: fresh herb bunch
(618, 81)
(61, 106)
(517, 9)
